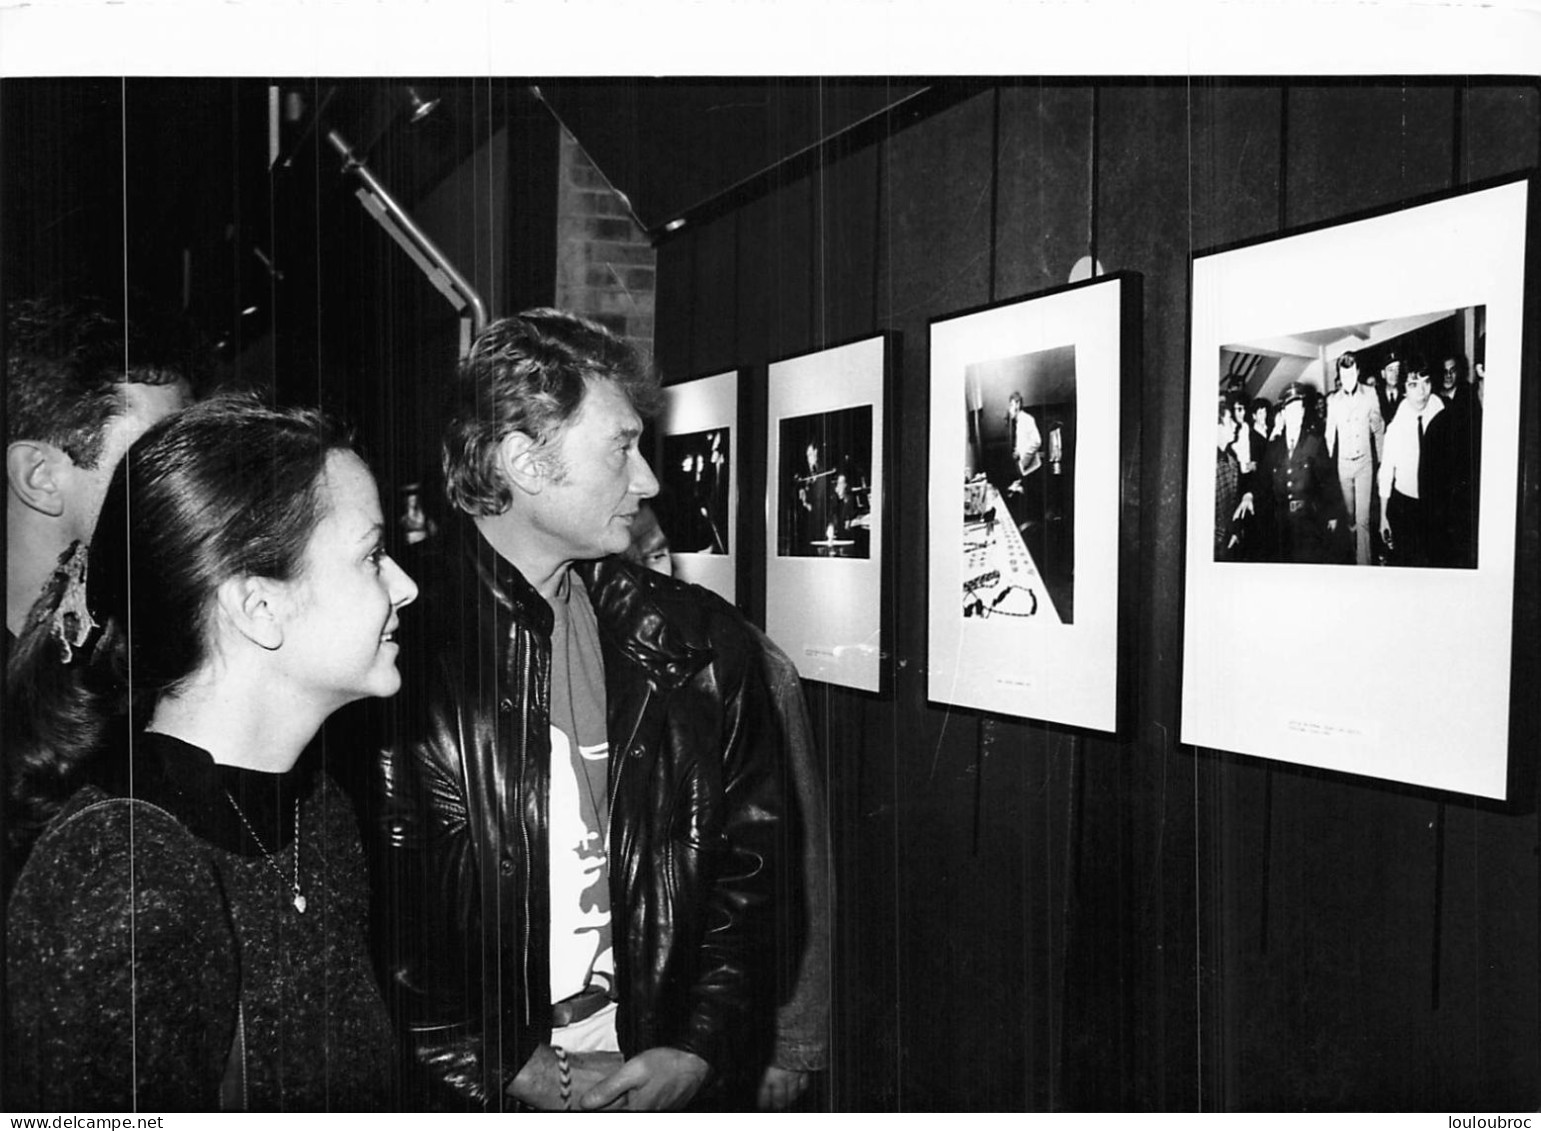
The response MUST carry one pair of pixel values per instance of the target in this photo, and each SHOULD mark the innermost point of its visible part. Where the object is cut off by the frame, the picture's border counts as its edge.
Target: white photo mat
(1392, 673)
(700, 405)
(1033, 667)
(826, 612)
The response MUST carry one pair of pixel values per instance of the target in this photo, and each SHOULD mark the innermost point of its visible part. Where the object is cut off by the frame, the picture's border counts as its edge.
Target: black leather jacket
(696, 809)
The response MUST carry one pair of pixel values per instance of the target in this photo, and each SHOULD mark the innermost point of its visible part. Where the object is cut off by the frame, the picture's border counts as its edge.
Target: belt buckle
(580, 1006)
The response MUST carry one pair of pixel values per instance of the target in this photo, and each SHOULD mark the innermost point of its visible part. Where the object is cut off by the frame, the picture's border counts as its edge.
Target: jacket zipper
(524, 836)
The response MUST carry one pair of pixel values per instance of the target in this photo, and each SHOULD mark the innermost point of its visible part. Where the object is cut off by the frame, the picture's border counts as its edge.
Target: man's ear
(253, 605)
(520, 463)
(36, 472)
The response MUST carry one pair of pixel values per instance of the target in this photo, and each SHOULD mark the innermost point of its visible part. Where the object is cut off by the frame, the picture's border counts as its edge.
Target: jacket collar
(641, 615)
(649, 619)
(498, 577)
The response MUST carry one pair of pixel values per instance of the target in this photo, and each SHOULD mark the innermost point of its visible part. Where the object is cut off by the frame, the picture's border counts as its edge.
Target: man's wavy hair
(66, 364)
(528, 373)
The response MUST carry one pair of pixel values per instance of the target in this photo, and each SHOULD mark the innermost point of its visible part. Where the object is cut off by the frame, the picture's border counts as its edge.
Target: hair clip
(72, 621)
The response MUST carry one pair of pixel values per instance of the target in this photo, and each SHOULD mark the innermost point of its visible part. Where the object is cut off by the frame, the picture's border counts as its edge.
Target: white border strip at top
(804, 37)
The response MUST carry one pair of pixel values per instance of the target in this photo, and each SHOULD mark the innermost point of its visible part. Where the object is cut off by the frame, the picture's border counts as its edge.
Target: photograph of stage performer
(1344, 389)
(1020, 416)
(826, 497)
(695, 494)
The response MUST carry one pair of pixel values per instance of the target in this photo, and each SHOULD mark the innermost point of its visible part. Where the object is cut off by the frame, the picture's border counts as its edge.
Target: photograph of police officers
(1353, 445)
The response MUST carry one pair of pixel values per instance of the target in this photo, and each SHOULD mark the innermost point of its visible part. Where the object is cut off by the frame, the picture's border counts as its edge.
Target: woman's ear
(520, 463)
(253, 605)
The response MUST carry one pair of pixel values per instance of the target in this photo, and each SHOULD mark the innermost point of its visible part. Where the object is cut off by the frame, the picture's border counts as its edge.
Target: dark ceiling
(164, 187)
(671, 144)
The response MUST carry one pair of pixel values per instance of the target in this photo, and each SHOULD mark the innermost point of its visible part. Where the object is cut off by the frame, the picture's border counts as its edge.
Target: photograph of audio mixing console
(1032, 423)
(1019, 486)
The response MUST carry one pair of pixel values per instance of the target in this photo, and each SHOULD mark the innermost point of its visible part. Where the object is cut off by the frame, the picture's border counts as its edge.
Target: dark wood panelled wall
(1037, 918)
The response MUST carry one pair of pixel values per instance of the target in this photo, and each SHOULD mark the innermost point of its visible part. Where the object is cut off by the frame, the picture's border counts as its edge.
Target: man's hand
(539, 1083)
(781, 1087)
(661, 1079)
(1385, 529)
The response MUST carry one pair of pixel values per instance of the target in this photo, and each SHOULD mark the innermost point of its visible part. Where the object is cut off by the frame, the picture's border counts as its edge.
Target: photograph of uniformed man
(1372, 452)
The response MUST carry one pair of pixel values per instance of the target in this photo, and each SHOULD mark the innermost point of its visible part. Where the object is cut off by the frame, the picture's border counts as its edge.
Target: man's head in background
(81, 384)
(649, 544)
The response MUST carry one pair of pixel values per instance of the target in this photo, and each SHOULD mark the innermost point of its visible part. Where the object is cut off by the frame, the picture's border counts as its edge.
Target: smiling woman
(338, 624)
(188, 933)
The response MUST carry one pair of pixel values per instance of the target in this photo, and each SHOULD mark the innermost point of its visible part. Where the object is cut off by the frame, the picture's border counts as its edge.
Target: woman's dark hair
(227, 488)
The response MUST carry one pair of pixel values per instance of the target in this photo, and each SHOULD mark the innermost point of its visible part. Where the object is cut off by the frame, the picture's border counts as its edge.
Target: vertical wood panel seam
(995, 187)
(690, 319)
(1094, 160)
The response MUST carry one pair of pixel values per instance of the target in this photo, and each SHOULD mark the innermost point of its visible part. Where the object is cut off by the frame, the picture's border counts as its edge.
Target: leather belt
(580, 1007)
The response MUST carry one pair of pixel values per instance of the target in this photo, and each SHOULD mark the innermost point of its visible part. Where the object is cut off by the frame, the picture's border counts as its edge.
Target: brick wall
(605, 266)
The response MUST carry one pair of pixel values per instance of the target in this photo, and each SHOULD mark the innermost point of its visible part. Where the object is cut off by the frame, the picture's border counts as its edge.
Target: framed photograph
(824, 543)
(697, 503)
(1351, 498)
(1027, 441)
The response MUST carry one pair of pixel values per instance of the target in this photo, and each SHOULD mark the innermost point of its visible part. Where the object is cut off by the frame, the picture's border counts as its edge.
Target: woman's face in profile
(339, 627)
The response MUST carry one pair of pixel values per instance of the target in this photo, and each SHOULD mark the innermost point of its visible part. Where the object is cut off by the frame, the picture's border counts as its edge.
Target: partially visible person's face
(651, 548)
(1348, 377)
(1452, 373)
(1260, 420)
(339, 628)
(1392, 374)
(143, 406)
(842, 485)
(1418, 388)
(597, 479)
(1226, 432)
(1294, 413)
(813, 457)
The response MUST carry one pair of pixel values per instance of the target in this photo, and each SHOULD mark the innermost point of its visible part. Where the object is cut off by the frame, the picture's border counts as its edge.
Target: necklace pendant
(299, 903)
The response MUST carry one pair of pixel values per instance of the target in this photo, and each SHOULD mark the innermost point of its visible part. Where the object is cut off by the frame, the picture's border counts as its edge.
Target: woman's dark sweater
(148, 920)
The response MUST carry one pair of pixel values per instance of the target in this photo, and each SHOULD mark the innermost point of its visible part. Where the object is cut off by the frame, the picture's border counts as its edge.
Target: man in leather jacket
(582, 811)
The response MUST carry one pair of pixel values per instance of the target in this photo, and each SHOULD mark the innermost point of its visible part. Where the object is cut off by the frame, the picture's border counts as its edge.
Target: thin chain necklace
(299, 896)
